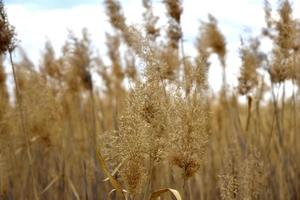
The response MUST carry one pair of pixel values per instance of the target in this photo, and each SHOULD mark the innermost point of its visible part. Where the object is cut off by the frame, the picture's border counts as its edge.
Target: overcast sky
(39, 20)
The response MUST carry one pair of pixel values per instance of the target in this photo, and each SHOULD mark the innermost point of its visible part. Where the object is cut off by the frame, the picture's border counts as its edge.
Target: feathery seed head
(212, 39)
(251, 61)
(190, 134)
(7, 32)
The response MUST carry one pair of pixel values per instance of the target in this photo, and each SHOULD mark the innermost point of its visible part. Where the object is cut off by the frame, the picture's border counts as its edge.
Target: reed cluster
(152, 129)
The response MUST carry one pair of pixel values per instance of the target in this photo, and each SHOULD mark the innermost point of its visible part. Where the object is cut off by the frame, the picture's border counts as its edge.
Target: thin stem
(148, 189)
(282, 107)
(224, 79)
(275, 104)
(294, 97)
(94, 144)
(94, 128)
(19, 101)
(249, 113)
(186, 189)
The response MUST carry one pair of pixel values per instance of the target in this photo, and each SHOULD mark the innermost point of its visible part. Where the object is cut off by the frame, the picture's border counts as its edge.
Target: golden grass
(154, 132)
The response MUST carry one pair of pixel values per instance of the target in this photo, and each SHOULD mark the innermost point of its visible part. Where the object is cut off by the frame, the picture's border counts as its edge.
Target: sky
(39, 20)
(53, 4)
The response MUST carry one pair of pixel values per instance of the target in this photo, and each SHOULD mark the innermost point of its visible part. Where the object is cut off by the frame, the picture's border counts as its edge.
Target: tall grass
(156, 131)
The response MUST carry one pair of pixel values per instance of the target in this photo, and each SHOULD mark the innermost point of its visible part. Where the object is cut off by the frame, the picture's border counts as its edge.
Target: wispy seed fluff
(7, 34)
(156, 67)
(174, 11)
(150, 20)
(212, 39)
(283, 33)
(251, 61)
(113, 10)
(190, 133)
(174, 34)
(142, 135)
(285, 27)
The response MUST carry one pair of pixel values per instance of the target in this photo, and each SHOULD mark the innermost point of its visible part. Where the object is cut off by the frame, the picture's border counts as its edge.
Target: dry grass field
(152, 130)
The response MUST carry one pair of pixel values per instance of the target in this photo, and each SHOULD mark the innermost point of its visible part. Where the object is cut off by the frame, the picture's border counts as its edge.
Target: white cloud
(34, 27)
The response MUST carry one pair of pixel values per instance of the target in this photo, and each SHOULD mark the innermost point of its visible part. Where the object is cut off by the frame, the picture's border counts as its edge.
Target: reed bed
(154, 131)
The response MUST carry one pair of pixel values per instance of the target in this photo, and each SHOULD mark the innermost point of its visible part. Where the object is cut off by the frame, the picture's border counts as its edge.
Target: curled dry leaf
(158, 193)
